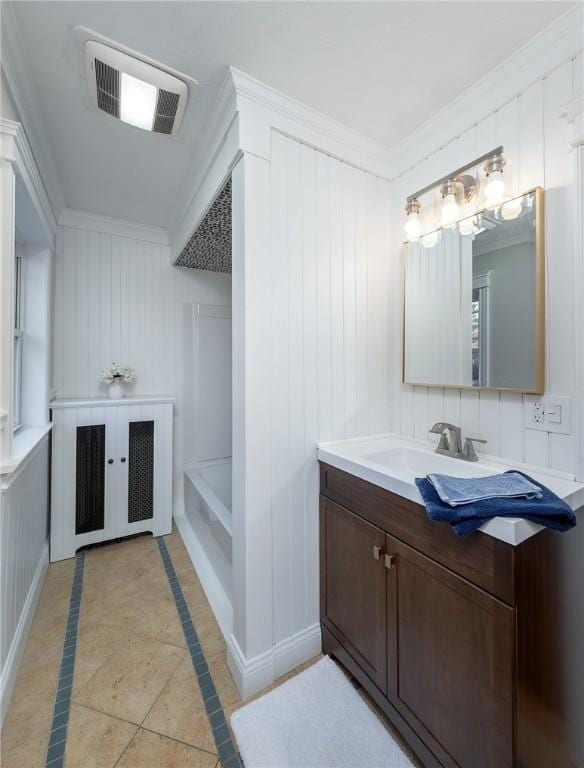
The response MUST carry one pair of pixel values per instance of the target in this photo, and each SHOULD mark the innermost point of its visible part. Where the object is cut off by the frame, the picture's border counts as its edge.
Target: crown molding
(276, 111)
(23, 93)
(15, 148)
(552, 47)
(242, 119)
(94, 222)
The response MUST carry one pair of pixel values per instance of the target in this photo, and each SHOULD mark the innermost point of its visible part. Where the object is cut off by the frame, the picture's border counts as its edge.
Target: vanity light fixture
(511, 209)
(458, 189)
(413, 227)
(431, 239)
(450, 208)
(468, 227)
(495, 187)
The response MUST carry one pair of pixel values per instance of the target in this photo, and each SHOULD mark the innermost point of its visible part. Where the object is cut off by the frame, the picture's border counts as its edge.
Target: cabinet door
(450, 661)
(353, 587)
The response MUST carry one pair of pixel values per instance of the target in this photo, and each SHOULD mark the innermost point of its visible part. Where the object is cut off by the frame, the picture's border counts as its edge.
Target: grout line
(228, 754)
(58, 732)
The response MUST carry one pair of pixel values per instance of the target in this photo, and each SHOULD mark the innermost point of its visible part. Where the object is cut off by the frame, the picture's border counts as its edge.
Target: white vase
(116, 389)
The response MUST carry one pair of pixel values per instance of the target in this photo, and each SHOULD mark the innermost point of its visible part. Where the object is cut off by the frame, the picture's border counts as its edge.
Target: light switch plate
(549, 413)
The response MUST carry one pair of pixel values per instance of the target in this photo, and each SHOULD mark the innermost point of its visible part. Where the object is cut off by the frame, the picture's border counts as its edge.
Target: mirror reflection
(474, 301)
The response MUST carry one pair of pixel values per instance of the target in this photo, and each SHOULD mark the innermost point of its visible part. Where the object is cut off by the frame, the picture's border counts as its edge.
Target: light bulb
(511, 209)
(495, 188)
(450, 211)
(467, 227)
(138, 102)
(430, 240)
(413, 227)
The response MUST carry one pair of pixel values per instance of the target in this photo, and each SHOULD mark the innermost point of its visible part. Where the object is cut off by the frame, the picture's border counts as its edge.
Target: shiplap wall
(119, 299)
(537, 144)
(23, 545)
(330, 245)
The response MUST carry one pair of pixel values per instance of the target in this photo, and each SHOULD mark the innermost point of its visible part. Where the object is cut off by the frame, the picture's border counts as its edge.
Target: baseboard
(10, 670)
(216, 595)
(296, 649)
(251, 675)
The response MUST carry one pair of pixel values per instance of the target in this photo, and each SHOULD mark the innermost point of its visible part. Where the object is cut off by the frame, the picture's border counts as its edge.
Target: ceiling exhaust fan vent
(134, 91)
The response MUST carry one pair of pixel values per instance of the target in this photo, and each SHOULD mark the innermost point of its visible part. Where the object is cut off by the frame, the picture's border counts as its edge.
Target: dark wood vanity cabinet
(432, 626)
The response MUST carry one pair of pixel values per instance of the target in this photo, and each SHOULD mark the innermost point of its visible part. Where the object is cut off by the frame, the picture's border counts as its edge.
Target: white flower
(115, 370)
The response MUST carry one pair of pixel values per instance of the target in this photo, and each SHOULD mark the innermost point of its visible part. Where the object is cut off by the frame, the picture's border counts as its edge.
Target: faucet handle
(469, 449)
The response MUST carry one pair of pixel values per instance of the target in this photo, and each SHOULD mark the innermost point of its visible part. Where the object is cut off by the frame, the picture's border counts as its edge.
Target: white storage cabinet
(111, 470)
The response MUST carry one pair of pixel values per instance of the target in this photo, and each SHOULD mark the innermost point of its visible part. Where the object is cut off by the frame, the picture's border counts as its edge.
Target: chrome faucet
(450, 443)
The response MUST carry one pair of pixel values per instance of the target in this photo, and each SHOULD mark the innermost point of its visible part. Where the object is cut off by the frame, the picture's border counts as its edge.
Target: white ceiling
(382, 68)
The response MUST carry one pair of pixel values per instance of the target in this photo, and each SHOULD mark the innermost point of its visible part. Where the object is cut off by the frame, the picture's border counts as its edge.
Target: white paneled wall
(330, 359)
(120, 299)
(537, 144)
(23, 559)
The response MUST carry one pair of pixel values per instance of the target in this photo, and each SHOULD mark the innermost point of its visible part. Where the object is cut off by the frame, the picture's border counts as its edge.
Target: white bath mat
(315, 720)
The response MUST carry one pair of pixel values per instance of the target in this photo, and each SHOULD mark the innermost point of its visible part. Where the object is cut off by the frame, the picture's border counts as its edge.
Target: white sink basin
(420, 463)
(393, 462)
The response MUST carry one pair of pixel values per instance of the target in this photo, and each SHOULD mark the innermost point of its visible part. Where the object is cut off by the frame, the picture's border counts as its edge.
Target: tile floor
(135, 700)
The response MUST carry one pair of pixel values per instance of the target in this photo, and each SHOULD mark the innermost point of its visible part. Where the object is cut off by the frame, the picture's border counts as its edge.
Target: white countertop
(363, 457)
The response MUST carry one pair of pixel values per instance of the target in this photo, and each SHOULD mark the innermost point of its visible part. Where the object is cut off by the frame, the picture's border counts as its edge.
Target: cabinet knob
(110, 461)
(123, 460)
(377, 552)
(389, 560)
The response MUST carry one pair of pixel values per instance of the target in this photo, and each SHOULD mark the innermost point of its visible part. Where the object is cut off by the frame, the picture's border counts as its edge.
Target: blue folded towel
(549, 510)
(462, 490)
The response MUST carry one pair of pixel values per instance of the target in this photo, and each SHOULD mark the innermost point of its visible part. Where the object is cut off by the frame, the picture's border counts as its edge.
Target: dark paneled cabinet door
(450, 661)
(90, 478)
(353, 589)
(140, 471)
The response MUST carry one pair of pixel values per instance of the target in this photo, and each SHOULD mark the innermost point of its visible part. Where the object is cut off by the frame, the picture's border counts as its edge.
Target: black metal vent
(166, 107)
(90, 473)
(107, 80)
(140, 471)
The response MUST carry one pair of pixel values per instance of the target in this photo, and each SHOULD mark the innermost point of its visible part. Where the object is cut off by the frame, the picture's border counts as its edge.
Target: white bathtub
(206, 531)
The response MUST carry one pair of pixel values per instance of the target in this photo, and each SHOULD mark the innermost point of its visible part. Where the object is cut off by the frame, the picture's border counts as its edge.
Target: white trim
(23, 92)
(10, 670)
(556, 44)
(242, 119)
(91, 402)
(216, 595)
(293, 118)
(25, 445)
(16, 148)
(252, 675)
(94, 222)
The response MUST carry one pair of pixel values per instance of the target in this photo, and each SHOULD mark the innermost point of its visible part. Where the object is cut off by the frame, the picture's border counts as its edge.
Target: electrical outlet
(548, 414)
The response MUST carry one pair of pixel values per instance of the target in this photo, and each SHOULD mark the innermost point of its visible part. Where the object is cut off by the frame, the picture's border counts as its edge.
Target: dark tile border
(58, 735)
(228, 755)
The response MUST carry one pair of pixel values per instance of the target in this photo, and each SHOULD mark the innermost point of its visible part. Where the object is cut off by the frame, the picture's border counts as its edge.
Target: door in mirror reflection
(473, 314)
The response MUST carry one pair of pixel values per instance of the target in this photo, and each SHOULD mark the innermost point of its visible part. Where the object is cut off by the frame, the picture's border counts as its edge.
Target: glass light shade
(413, 227)
(511, 209)
(495, 188)
(467, 227)
(450, 211)
(430, 240)
(137, 102)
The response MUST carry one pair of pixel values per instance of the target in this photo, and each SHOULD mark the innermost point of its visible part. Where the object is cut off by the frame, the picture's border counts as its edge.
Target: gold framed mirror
(474, 301)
